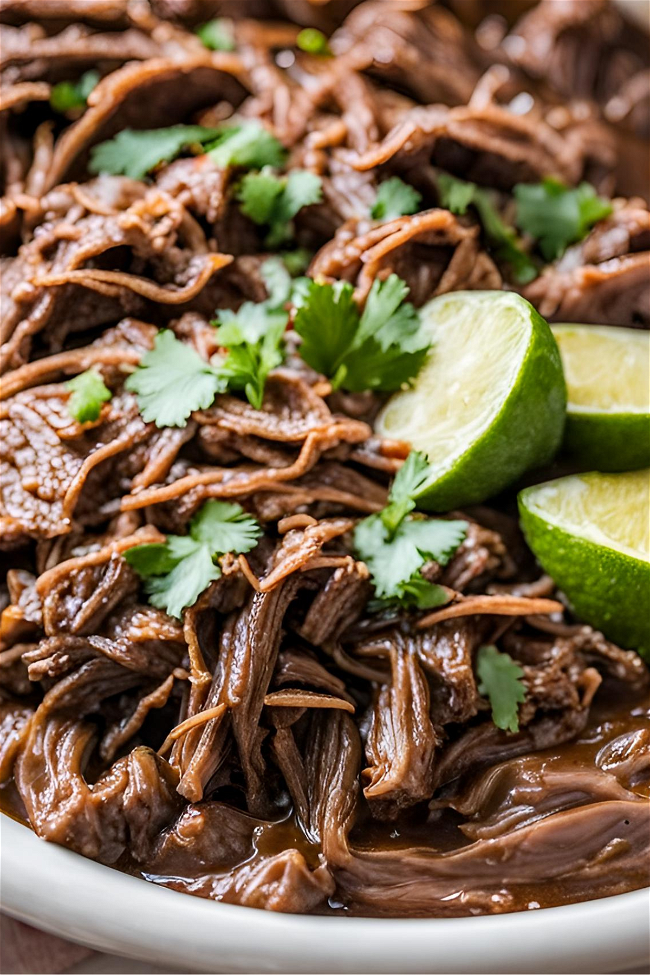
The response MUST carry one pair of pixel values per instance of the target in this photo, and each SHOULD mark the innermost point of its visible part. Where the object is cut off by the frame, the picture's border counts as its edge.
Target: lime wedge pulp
(591, 533)
(607, 371)
(489, 402)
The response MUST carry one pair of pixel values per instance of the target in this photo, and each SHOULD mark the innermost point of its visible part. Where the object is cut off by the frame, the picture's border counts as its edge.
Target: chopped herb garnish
(136, 153)
(395, 198)
(409, 481)
(416, 593)
(177, 571)
(253, 335)
(217, 34)
(88, 393)
(247, 364)
(248, 145)
(395, 544)
(553, 214)
(419, 593)
(500, 681)
(278, 282)
(68, 95)
(379, 349)
(394, 557)
(172, 381)
(556, 215)
(457, 195)
(273, 201)
(313, 41)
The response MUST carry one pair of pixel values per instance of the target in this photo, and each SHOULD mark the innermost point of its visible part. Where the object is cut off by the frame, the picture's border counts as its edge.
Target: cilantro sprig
(556, 215)
(273, 201)
(68, 95)
(458, 194)
(395, 544)
(395, 198)
(248, 145)
(172, 380)
(88, 393)
(135, 153)
(500, 681)
(381, 348)
(217, 34)
(552, 214)
(178, 570)
(253, 335)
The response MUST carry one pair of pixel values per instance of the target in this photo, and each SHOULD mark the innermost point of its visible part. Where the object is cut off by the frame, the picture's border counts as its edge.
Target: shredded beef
(291, 742)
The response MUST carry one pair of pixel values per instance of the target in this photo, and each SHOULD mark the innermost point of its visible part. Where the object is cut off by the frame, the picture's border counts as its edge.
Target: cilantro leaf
(135, 153)
(258, 193)
(457, 194)
(386, 314)
(151, 560)
(327, 321)
(273, 201)
(184, 584)
(247, 144)
(556, 215)
(88, 393)
(313, 41)
(225, 527)
(172, 381)
(394, 545)
(408, 482)
(500, 680)
(393, 558)
(302, 189)
(253, 335)
(395, 198)
(277, 281)
(217, 34)
(422, 594)
(416, 593)
(179, 570)
(67, 95)
(380, 349)
(248, 364)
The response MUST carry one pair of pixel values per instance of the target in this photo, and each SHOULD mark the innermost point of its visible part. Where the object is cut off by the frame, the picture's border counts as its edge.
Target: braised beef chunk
(203, 680)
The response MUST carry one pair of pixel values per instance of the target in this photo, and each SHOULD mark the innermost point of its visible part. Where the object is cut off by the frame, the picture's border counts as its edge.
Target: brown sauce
(612, 717)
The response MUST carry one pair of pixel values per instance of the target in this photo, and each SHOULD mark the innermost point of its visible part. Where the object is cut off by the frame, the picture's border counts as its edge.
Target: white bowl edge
(65, 894)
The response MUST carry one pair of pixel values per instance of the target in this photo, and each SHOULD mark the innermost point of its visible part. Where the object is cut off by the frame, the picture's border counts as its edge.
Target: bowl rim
(66, 894)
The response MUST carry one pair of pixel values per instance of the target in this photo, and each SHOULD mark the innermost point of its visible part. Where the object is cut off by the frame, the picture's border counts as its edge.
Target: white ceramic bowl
(68, 895)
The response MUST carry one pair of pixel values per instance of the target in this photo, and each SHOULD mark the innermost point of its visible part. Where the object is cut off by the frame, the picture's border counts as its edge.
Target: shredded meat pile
(283, 745)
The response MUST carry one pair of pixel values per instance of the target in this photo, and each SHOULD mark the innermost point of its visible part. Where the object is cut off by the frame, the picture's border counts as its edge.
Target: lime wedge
(591, 533)
(607, 371)
(489, 402)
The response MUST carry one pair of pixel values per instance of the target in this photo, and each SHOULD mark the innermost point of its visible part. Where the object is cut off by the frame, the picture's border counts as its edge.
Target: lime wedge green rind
(608, 443)
(489, 403)
(607, 370)
(590, 533)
